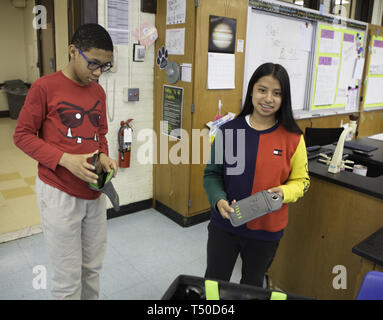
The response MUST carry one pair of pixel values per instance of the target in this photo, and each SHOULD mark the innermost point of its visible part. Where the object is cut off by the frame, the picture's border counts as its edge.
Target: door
(171, 180)
(206, 101)
(80, 12)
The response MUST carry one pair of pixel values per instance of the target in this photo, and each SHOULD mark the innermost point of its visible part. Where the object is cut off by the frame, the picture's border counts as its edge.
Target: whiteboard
(283, 40)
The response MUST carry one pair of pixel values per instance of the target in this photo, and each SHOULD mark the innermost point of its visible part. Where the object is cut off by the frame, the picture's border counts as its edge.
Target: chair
(371, 251)
(372, 286)
(321, 136)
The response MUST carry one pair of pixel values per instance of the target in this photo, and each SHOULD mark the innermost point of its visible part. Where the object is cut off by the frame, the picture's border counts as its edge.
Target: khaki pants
(75, 236)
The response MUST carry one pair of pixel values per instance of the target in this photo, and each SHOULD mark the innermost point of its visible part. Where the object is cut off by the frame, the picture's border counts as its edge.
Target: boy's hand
(224, 208)
(108, 163)
(79, 166)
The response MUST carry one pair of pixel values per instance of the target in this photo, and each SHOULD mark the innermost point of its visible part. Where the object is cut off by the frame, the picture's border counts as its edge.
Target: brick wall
(135, 183)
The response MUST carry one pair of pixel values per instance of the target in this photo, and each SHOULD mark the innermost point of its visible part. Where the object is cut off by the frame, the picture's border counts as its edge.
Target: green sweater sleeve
(213, 182)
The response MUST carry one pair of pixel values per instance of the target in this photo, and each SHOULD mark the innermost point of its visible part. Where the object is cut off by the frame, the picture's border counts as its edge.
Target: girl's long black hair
(285, 113)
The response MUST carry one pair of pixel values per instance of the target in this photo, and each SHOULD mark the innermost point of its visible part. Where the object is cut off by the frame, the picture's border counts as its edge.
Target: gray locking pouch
(254, 207)
(104, 185)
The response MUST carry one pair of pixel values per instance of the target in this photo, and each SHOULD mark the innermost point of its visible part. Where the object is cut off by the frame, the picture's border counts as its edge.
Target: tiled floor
(17, 191)
(146, 252)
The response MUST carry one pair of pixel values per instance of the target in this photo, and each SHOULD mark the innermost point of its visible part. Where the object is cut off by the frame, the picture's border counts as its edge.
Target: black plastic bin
(16, 91)
(186, 287)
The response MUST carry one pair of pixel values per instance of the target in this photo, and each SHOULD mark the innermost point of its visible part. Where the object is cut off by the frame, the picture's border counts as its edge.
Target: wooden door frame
(39, 46)
(87, 13)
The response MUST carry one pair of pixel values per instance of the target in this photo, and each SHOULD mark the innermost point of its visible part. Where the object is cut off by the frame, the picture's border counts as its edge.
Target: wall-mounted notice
(346, 73)
(374, 96)
(352, 99)
(175, 41)
(374, 78)
(186, 72)
(327, 76)
(221, 71)
(376, 63)
(172, 111)
(330, 41)
(118, 21)
(240, 45)
(358, 70)
(175, 11)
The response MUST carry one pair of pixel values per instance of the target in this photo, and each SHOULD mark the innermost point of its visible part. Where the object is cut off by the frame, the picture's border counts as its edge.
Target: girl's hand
(276, 190)
(224, 208)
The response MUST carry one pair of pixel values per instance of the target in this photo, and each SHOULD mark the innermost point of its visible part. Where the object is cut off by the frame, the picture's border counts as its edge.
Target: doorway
(81, 12)
(46, 40)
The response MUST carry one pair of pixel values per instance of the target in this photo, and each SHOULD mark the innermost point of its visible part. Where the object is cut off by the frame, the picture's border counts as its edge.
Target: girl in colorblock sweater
(262, 149)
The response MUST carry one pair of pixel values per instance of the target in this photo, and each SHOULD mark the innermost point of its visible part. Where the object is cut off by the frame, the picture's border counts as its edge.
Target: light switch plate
(133, 94)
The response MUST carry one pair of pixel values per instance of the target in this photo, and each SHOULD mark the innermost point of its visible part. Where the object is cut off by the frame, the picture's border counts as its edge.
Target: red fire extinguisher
(124, 143)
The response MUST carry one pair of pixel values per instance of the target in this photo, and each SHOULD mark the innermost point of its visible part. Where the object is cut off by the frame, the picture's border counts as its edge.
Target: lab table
(315, 258)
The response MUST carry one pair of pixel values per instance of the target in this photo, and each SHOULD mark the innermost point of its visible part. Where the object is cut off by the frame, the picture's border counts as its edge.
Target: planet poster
(222, 32)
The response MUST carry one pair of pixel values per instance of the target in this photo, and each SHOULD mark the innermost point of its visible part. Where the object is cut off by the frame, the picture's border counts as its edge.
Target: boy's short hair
(92, 35)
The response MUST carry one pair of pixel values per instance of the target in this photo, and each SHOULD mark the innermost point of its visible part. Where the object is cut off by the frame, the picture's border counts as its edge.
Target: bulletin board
(338, 68)
(374, 75)
(323, 55)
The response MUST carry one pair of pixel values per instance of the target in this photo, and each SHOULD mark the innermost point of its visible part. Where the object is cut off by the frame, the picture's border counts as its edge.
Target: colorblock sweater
(245, 161)
(59, 115)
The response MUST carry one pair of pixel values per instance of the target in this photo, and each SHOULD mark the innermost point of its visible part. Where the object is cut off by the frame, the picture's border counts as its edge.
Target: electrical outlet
(133, 94)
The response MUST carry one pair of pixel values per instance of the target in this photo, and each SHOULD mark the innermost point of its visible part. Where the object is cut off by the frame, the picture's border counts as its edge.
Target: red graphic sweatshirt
(60, 116)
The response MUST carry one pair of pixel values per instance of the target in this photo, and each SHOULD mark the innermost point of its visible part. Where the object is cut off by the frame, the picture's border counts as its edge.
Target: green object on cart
(211, 290)
(275, 295)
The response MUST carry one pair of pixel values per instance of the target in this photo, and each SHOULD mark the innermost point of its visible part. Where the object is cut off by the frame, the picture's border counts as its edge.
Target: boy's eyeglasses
(93, 66)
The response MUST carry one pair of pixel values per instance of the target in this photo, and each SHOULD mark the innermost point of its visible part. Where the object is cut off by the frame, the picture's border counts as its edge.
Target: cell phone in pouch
(255, 206)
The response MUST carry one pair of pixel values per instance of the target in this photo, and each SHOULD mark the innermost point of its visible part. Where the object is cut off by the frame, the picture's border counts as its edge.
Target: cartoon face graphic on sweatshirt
(73, 117)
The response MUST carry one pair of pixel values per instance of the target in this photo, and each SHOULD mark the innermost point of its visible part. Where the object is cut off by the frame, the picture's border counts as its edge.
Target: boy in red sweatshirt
(61, 125)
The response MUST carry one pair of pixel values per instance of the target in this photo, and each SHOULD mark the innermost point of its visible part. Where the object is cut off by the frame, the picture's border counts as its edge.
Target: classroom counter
(372, 184)
(315, 258)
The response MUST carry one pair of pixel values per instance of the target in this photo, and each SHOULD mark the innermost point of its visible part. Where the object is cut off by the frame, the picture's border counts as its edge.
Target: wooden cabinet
(178, 187)
(323, 228)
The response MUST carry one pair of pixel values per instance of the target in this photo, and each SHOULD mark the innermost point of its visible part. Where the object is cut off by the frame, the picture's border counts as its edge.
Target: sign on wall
(172, 111)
